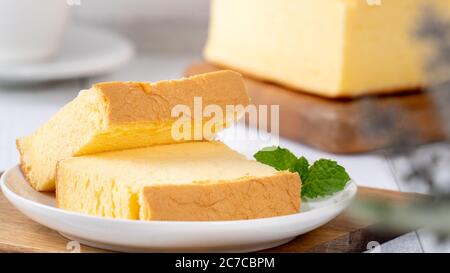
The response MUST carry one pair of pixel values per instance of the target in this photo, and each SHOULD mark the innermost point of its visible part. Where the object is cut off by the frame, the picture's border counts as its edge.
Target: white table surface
(24, 108)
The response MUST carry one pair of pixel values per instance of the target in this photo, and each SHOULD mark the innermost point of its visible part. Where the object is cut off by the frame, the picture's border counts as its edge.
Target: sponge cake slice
(194, 181)
(121, 115)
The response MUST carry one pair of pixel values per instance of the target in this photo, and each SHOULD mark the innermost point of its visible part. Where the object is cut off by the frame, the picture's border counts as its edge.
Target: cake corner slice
(121, 115)
(196, 181)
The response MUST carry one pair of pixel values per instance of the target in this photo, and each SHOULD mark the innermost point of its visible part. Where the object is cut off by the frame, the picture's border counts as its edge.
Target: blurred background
(151, 40)
(153, 25)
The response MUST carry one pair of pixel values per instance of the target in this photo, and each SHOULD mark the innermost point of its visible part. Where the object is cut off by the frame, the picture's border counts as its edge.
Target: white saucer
(86, 51)
(165, 236)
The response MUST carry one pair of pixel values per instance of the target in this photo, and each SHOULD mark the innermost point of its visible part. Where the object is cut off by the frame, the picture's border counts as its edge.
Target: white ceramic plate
(86, 51)
(166, 236)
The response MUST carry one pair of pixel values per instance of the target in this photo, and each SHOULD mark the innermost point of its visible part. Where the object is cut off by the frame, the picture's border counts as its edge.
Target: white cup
(31, 30)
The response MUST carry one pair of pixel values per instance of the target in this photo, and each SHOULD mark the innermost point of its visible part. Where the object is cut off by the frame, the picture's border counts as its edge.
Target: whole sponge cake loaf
(187, 181)
(332, 48)
(122, 115)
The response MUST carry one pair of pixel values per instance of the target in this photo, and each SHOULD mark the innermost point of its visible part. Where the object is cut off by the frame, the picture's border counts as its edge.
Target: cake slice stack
(120, 115)
(111, 152)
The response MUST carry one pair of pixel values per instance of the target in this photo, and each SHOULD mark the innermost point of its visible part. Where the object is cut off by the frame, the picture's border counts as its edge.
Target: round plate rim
(127, 51)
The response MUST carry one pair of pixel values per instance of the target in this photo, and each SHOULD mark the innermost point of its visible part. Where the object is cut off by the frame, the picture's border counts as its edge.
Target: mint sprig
(324, 177)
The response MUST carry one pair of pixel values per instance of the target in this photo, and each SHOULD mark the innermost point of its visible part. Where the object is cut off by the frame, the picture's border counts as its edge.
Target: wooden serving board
(338, 125)
(343, 234)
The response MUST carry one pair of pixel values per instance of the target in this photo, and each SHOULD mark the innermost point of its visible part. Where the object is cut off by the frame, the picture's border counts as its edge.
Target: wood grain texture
(336, 125)
(343, 234)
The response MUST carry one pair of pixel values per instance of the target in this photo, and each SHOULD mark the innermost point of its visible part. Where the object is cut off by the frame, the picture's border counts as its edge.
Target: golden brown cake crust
(244, 198)
(130, 101)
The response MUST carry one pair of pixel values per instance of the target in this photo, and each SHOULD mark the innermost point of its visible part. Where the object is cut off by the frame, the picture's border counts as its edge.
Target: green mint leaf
(325, 177)
(302, 167)
(279, 158)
